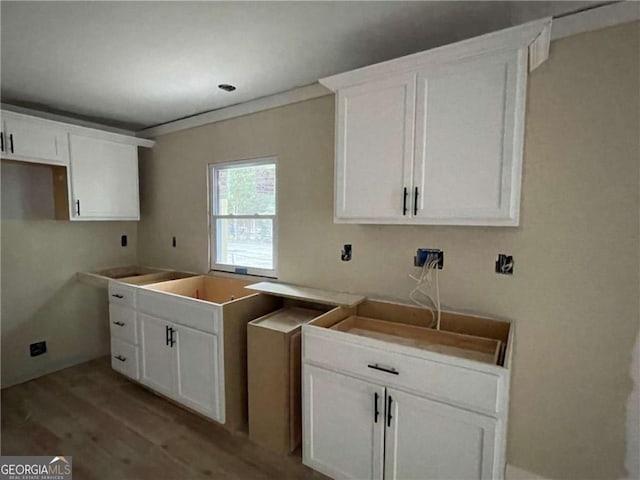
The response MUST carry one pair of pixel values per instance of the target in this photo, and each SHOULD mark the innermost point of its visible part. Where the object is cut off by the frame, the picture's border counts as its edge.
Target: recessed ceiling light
(226, 87)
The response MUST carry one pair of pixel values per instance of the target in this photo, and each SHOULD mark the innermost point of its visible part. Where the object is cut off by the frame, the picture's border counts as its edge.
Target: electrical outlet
(37, 348)
(173, 242)
(346, 253)
(427, 255)
(123, 240)
(504, 264)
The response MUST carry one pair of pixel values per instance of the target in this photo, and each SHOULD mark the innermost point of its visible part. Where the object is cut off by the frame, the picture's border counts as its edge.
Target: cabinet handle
(78, 207)
(166, 334)
(415, 201)
(376, 412)
(391, 370)
(121, 358)
(117, 295)
(1, 141)
(171, 332)
(389, 416)
(11, 141)
(120, 324)
(404, 201)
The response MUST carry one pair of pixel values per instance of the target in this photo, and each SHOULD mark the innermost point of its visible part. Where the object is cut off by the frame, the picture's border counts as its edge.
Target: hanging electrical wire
(428, 278)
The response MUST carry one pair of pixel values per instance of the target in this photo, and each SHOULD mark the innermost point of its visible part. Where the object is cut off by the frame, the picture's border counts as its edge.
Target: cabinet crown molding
(536, 35)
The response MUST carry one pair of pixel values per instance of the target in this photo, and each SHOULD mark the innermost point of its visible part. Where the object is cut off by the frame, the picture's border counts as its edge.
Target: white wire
(425, 281)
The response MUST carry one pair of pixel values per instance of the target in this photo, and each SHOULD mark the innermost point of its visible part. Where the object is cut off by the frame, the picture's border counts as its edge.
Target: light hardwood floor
(115, 429)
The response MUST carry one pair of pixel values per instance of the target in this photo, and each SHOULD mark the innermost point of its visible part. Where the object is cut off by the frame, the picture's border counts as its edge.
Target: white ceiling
(139, 64)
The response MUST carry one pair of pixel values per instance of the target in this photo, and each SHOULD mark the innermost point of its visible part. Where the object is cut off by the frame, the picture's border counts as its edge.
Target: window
(243, 217)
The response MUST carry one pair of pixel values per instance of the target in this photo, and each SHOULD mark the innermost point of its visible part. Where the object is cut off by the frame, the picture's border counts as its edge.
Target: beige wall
(41, 298)
(574, 294)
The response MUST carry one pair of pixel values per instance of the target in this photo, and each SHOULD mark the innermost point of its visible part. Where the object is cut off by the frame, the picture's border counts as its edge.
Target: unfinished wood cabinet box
(274, 362)
(273, 371)
(410, 401)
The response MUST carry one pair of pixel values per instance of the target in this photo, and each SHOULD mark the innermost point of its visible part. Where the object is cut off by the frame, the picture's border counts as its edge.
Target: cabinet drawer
(122, 294)
(124, 358)
(451, 383)
(122, 323)
(190, 313)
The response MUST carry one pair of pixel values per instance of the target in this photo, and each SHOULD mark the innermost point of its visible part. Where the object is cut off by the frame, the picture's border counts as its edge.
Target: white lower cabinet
(431, 440)
(344, 425)
(181, 363)
(197, 370)
(124, 358)
(361, 430)
(157, 354)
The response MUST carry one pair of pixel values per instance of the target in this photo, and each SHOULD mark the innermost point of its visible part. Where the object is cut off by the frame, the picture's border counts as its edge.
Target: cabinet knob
(121, 358)
(117, 295)
(120, 324)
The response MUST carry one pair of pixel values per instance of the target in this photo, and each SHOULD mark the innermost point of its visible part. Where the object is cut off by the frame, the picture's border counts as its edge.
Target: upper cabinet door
(468, 148)
(104, 179)
(427, 439)
(343, 425)
(374, 149)
(32, 140)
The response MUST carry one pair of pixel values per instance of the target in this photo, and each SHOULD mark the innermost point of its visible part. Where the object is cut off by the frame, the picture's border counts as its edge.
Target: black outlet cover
(504, 264)
(123, 240)
(37, 348)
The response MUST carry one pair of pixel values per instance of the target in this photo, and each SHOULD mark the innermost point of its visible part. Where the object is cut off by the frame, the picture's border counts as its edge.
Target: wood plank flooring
(115, 429)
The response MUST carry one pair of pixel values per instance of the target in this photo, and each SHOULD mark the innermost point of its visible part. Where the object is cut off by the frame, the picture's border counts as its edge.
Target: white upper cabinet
(375, 125)
(95, 172)
(104, 179)
(436, 137)
(30, 139)
(468, 149)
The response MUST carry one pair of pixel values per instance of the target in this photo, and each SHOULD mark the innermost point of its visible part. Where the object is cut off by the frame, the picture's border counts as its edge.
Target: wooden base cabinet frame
(274, 362)
(375, 409)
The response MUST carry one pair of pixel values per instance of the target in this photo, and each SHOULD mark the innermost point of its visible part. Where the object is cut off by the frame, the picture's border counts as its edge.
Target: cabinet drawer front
(453, 384)
(122, 294)
(124, 358)
(190, 313)
(122, 323)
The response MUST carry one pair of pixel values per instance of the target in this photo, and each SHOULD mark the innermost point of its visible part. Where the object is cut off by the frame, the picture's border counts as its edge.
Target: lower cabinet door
(430, 440)
(158, 355)
(343, 425)
(197, 371)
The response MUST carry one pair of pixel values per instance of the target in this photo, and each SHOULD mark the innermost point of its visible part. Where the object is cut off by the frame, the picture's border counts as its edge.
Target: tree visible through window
(243, 222)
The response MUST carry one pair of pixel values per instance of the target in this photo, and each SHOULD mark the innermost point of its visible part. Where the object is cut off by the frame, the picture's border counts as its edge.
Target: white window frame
(213, 216)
